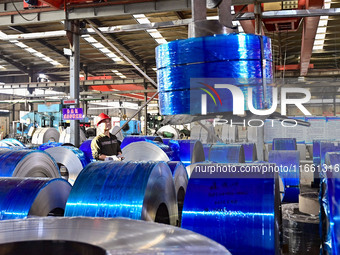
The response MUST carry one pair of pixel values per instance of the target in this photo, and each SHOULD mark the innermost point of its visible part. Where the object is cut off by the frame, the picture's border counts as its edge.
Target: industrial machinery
(133, 127)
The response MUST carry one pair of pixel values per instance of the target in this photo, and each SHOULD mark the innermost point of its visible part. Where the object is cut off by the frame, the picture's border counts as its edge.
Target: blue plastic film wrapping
(47, 145)
(327, 146)
(238, 213)
(80, 155)
(240, 73)
(11, 142)
(227, 153)
(329, 200)
(134, 190)
(287, 163)
(215, 48)
(135, 138)
(188, 151)
(206, 148)
(189, 101)
(17, 196)
(86, 148)
(250, 154)
(27, 163)
(284, 144)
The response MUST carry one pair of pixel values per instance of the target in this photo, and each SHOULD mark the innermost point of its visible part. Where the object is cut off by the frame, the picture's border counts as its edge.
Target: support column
(258, 19)
(73, 35)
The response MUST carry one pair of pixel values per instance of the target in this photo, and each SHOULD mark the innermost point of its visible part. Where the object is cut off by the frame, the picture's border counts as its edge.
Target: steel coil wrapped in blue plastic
(222, 59)
(250, 154)
(211, 49)
(227, 153)
(239, 211)
(11, 142)
(86, 148)
(27, 163)
(288, 164)
(136, 190)
(284, 144)
(330, 209)
(20, 197)
(188, 151)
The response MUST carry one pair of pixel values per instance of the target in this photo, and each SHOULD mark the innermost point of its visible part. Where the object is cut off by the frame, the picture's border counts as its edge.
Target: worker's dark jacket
(102, 144)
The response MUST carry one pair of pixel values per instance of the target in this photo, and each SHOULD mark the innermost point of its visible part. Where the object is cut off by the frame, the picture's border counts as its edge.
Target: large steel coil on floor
(300, 231)
(236, 209)
(188, 151)
(44, 135)
(227, 153)
(27, 163)
(149, 150)
(136, 138)
(70, 160)
(11, 142)
(287, 163)
(136, 190)
(21, 198)
(180, 177)
(98, 236)
(206, 58)
(329, 200)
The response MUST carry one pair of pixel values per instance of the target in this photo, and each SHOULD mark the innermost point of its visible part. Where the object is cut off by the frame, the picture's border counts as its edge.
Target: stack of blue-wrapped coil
(86, 148)
(187, 151)
(235, 58)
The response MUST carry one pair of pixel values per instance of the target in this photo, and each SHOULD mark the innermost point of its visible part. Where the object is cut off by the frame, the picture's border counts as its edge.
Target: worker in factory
(105, 146)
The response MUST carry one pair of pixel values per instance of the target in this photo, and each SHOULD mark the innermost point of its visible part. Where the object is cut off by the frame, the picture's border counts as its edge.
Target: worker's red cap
(102, 117)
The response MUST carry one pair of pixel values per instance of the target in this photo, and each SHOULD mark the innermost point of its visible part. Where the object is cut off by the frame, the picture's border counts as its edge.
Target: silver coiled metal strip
(65, 136)
(144, 151)
(108, 236)
(27, 163)
(25, 197)
(71, 161)
(44, 135)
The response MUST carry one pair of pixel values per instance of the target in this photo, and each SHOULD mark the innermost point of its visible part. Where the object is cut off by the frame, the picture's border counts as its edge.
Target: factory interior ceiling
(305, 41)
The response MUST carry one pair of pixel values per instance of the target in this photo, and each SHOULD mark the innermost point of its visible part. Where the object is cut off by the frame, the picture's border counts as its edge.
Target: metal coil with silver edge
(11, 142)
(136, 138)
(180, 177)
(70, 160)
(86, 148)
(284, 144)
(238, 210)
(226, 153)
(188, 151)
(300, 231)
(210, 57)
(27, 163)
(330, 209)
(136, 190)
(287, 163)
(21, 198)
(65, 136)
(149, 150)
(99, 236)
(44, 135)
